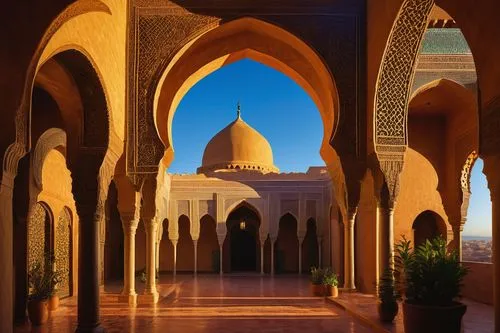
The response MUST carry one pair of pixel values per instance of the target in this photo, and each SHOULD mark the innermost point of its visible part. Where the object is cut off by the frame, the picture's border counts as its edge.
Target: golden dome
(238, 147)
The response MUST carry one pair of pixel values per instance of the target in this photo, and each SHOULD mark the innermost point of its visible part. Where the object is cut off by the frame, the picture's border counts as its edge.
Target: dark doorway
(243, 248)
(427, 226)
(243, 228)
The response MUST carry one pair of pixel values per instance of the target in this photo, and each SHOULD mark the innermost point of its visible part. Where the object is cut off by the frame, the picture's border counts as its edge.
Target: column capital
(129, 222)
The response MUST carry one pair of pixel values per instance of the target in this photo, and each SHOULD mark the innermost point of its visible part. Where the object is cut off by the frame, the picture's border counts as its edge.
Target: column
(495, 217)
(151, 226)
(129, 224)
(301, 240)
(262, 257)
(195, 247)
(385, 217)
(457, 236)
(272, 241)
(174, 245)
(349, 249)
(319, 251)
(88, 271)
(220, 259)
(6, 252)
(492, 171)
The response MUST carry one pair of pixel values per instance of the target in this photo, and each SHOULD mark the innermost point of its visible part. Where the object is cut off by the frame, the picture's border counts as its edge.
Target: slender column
(349, 249)
(6, 252)
(457, 236)
(151, 226)
(261, 258)
(174, 245)
(88, 272)
(301, 240)
(129, 230)
(195, 247)
(272, 241)
(385, 216)
(157, 257)
(319, 252)
(220, 259)
(495, 217)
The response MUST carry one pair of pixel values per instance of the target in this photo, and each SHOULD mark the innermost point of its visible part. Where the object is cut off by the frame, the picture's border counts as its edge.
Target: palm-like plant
(429, 274)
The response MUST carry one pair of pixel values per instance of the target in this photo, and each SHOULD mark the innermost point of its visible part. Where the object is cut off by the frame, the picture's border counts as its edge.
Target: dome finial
(238, 110)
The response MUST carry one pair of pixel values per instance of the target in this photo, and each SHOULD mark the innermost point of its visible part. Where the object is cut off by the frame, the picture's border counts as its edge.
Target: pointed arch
(245, 38)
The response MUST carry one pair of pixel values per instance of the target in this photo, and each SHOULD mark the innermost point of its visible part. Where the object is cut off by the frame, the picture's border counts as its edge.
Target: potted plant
(40, 281)
(55, 277)
(432, 280)
(388, 297)
(331, 282)
(317, 287)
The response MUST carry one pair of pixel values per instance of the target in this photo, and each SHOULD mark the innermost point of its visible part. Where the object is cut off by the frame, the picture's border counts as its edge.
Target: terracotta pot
(332, 291)
(433, 319)
(38, 312)
(317, 289)
(53, 302)
(387, 311)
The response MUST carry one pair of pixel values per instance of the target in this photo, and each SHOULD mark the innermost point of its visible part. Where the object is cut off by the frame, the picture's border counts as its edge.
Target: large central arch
(230, 42)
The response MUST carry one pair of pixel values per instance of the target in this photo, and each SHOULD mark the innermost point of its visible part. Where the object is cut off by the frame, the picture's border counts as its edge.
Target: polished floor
(213, 304)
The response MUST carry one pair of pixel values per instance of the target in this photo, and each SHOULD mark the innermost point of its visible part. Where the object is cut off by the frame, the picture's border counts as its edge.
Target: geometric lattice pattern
(396, 73)
(38, 237)
(63, 243)
(159, 36)
(466, 172)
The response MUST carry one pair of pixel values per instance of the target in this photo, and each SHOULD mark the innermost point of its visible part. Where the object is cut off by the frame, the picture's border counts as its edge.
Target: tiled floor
(212, 304)
(477, 319)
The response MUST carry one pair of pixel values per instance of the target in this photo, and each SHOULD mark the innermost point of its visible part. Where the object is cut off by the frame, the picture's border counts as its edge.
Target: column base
(130, 298)
(93, 329)
(148, 298)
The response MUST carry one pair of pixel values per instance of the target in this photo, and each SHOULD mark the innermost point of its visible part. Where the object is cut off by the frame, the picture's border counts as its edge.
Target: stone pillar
(301, 240)
(221, 236)
(261, 258)
(492, 171)
(320, 240)
(385, 215)
(88, 271)
(129, 224)
(6, 252)
(272, 240)
(174, 245)
(195, 248)
(457, 236)
(151, 227)
(221, 262)
(349, 249)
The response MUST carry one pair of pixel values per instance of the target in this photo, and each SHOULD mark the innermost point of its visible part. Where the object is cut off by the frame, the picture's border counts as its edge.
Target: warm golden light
(243, 225)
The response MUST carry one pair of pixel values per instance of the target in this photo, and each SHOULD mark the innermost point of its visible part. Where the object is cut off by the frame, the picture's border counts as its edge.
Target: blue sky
(479, 214)
(271, 103)
(280, 110)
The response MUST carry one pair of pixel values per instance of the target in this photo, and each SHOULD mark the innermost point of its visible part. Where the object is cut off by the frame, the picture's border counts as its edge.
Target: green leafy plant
(317, 275)
(330, 278)
(387, 292)
(43, 278)
(429, 274)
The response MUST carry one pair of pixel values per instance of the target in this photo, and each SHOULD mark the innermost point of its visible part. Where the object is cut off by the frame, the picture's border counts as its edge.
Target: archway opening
(112, 241)
(287, 245)
(243, 225)
(252, 39)
(477, 231)
(310, 249)
(427, 226)
(208, 246)
(185, 249)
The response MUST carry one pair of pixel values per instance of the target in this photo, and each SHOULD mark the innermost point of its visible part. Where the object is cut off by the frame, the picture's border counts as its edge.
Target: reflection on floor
(210, 303)
(477, 319)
